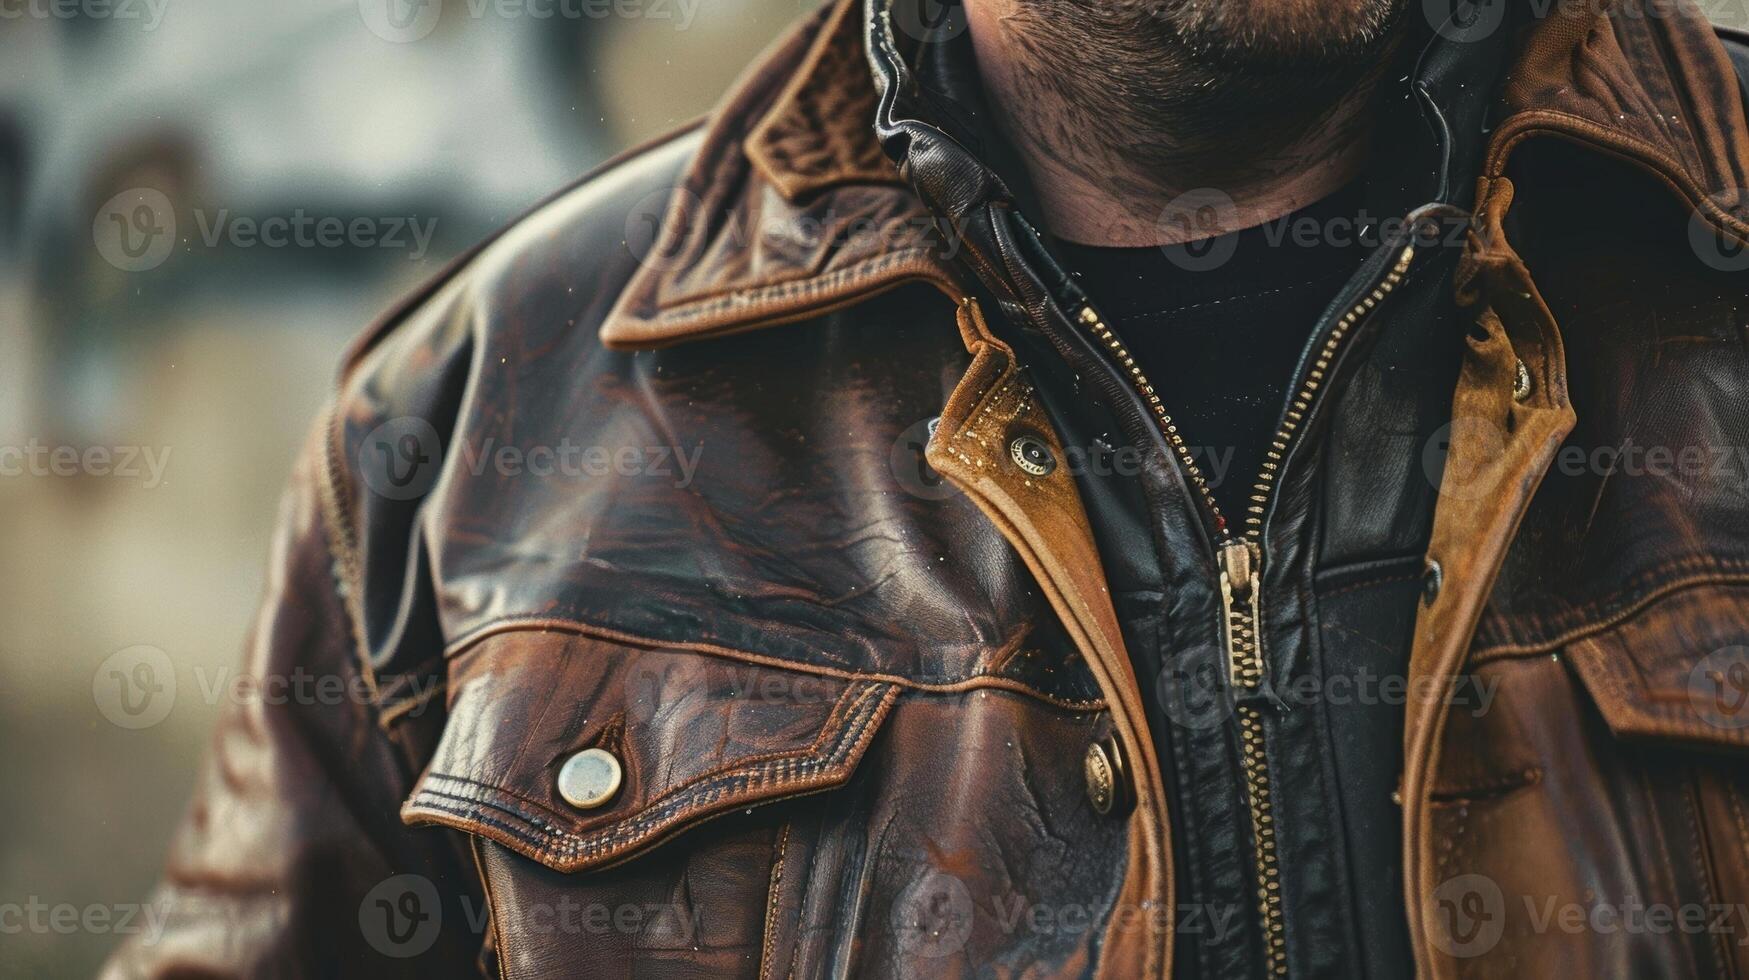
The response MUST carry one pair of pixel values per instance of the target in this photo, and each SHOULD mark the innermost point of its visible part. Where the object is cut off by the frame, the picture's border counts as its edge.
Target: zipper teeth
(1133, 372)
(1247, 670)
(1242, 633)
(1296, 412)
(1254, 749)
(1256, 757)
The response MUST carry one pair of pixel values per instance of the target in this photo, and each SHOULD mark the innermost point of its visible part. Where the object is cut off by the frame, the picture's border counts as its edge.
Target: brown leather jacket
(838, 713)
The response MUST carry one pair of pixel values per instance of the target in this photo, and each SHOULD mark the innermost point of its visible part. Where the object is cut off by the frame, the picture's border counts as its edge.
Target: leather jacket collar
(1605, 78)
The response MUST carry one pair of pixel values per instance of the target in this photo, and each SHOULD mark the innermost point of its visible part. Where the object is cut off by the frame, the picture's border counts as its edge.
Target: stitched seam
(471, 810)
(492, 910)
(473, 790)
(1011, 649)
(1697, 850)
(1639, 705)
(925, 684)
(1370, 583)
(1581, 130)
(343, 545)
(1670, 103)
(409, 677)
(1662, 833)
(795, 950)
(757, 145)
(715, 789)
(1616, 617)
(1736, 801)
(394, 713)
(1487, 789)
(774, 895)
(728, 768)
(612, 839)
(675, 312)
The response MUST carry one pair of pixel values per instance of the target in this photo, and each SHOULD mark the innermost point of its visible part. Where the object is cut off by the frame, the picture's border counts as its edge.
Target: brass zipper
(1091, 320)
(1241, 582)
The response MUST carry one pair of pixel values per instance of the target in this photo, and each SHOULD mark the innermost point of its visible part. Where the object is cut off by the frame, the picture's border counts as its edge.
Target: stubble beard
(1214, 93)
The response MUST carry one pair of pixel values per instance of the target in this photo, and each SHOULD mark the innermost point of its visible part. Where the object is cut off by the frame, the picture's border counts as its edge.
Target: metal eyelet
(1432, 579)
(1521, 383)
(1032, 454)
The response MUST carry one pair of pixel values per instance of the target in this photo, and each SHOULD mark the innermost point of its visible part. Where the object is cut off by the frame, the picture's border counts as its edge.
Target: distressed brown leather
(852, 703)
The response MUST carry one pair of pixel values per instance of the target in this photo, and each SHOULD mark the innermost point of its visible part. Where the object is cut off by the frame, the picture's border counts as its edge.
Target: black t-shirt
(1219, 325)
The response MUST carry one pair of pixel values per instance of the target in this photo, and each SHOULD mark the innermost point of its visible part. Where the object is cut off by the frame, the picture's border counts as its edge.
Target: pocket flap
(695, 734)
(1675, 671)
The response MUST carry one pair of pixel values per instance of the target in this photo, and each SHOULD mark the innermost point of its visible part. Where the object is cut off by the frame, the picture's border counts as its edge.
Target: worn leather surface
(853, 692)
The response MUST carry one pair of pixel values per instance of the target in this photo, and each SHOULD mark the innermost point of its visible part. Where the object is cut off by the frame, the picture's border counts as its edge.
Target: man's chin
(1284, 37)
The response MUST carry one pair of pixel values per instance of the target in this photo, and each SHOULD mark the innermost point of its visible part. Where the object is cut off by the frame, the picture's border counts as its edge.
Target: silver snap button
(1521, 383)
(1032, 455)
(590, 778)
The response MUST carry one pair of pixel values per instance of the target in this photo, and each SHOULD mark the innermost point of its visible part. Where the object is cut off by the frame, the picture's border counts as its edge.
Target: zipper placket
(1240, 560)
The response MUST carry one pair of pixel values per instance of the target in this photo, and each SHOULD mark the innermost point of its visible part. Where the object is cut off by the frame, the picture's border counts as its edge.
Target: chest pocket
(565, 758)
(1592, 813)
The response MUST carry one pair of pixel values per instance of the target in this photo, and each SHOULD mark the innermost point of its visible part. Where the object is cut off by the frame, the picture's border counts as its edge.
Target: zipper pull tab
(1238, 572)
(1239, 606)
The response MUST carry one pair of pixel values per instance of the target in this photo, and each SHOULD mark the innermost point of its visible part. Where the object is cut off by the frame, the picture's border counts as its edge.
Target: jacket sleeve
(292, 860)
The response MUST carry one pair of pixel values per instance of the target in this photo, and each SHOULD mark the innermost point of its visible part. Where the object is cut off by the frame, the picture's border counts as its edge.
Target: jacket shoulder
(503, 338)
(1736, 43)
(590, 228)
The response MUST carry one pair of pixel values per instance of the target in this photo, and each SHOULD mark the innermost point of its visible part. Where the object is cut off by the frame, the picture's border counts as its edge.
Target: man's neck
(1149, 144)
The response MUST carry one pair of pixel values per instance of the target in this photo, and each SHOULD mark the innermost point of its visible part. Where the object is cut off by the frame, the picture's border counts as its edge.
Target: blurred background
(201, 201)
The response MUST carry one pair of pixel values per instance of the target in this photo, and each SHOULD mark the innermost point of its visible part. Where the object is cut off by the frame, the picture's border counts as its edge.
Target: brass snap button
(1031, 454)
(1106, 780)
(590, 778)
